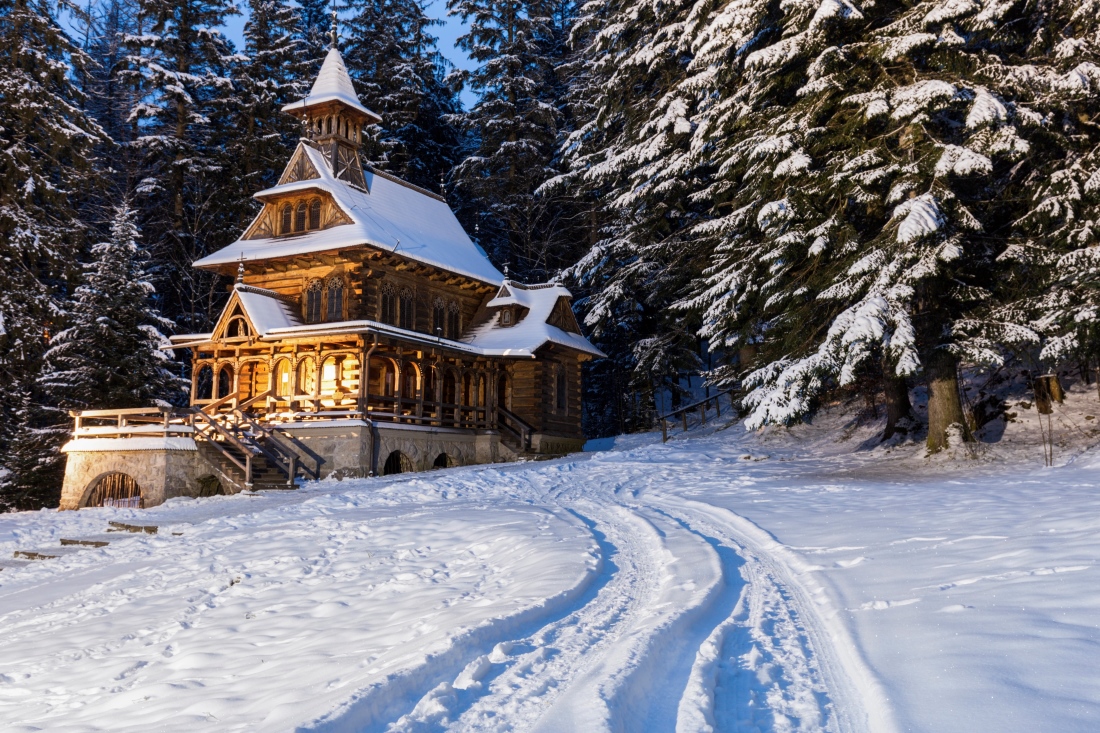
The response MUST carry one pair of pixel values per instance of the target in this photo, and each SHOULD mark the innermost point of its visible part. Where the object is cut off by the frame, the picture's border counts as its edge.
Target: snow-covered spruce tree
(873, 165)
(108, 354)
(513, 126)
(273, 73)
(314, 26)
(400, 74)
(629, 152)
(46, 172)
(1057, 254)
(187, 204)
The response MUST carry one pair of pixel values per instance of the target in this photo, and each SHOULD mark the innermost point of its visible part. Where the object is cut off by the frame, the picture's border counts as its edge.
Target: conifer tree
(512, 126)
(189, 206)
(314, 26)
(46, 172)
(400, 74)
(273, 73)
(629, 151)
(871, 163)
(109, 356)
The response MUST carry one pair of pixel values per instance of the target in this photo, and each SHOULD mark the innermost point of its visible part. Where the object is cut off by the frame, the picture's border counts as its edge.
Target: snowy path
(680, 587)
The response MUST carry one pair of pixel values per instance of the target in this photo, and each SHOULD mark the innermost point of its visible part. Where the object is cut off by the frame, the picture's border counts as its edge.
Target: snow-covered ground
(785, 581)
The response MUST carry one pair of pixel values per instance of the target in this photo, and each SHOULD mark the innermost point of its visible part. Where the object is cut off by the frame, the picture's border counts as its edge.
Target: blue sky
(447, 33)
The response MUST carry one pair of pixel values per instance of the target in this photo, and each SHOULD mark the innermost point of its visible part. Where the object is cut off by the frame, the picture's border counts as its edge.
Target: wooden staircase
(247, 455)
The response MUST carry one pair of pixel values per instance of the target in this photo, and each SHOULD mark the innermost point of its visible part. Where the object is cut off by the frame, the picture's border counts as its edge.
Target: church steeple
(333, 117)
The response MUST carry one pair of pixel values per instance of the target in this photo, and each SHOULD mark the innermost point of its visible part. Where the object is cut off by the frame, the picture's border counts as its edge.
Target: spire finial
(240, 269)
(334, 26)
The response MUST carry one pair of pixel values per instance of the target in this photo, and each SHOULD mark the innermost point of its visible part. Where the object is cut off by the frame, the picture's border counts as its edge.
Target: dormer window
(300, 218)
(506, 317)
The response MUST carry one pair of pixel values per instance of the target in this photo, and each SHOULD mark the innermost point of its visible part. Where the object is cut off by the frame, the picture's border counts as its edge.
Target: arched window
(409, 382)
(454, 321)
(331, 373)
(439, 318)
(313, 302)
(328, 125)
(389, 305)
(204, 384)
(315, 214)
(408, 309)
(225, 381)
(335, 299)
(389, 380)
(307, 377)
(300, 218)
(287, 215)
(284, 385)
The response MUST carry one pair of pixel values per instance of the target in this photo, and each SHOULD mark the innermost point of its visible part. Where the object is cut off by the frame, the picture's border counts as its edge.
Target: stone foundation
(162, 473)
(165, 468)
(356, 448)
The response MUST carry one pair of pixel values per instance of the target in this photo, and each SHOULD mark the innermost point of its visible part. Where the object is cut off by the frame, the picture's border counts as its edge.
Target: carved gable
(299, 168)
(562, 317)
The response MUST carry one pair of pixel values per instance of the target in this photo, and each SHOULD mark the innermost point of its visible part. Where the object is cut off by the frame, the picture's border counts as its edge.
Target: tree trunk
(896, 394)
(944, 407)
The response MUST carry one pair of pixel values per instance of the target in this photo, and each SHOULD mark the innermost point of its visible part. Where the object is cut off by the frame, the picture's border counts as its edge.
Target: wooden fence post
(703, 413)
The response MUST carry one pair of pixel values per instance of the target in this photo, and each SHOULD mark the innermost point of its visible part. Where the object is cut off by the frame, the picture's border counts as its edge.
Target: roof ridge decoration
(406, 184)
(266, 293)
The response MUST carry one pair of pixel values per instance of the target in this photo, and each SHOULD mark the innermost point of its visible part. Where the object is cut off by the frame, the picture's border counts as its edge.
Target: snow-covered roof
(391, 215)
(333, 84)
(532, 331)
(266, 309)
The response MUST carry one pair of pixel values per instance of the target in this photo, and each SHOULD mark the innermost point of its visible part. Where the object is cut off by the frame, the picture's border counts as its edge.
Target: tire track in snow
(812, 643)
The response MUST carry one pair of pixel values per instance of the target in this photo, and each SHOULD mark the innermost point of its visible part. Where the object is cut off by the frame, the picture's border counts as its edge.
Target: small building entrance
(117, 490)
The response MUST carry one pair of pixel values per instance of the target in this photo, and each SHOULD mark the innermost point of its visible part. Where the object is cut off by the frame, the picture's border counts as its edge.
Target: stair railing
(516, 426)
(207, 427)
(283, 459)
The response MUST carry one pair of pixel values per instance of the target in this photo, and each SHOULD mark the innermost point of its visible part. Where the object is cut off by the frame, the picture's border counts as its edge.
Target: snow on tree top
(333, 85)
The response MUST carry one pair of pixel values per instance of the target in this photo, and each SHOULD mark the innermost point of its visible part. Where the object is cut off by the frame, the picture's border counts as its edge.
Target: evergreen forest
(796, 198)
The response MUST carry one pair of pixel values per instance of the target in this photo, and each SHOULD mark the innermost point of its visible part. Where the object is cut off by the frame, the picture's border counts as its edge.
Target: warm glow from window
(328, 373)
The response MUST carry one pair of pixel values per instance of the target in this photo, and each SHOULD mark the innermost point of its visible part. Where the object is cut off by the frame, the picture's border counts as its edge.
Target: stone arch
(397, 462)
(209, 485)
(113, 488)
(443, 461)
